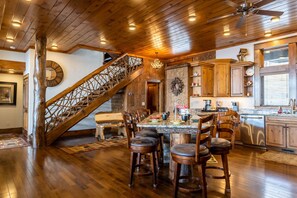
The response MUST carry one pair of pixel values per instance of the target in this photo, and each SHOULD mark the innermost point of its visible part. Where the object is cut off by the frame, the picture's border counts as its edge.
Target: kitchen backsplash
(244, 102)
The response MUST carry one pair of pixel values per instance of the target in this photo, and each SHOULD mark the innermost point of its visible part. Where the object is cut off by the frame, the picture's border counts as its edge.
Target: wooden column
(39, 92)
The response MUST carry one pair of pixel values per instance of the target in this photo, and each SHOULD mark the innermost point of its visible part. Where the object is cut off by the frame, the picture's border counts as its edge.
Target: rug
(95, 146)
(8, 141)
(279, 157)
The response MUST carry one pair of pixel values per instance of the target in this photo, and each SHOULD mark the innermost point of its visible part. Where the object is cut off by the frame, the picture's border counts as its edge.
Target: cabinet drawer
(282, 119)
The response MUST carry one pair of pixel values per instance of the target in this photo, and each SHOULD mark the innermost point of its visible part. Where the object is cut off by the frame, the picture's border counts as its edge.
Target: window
(276, 57)
(275, 84)
(275, 89)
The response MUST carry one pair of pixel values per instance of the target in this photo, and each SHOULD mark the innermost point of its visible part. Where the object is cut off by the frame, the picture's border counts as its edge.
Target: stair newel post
(39, 92)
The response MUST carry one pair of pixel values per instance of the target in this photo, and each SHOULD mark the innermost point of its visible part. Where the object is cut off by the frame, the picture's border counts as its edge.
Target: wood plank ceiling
(161, 26)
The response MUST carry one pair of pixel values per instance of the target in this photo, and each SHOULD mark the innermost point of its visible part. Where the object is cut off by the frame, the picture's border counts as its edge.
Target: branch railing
(72, 100)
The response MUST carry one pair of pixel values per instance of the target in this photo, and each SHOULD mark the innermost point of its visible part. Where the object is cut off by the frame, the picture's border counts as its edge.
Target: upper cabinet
(201, 79)
(242, 78)
(222, 83)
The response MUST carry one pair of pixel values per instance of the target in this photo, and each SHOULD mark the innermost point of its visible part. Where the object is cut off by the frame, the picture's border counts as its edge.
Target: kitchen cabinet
(222, 82)
(201, 79)
(242, 78)
(281, 132)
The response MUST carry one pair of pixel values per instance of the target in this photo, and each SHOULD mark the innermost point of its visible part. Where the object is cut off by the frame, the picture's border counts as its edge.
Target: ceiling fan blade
(221, 17)
(268, 12)
(231, 3)
(262, 3)
(241, 21)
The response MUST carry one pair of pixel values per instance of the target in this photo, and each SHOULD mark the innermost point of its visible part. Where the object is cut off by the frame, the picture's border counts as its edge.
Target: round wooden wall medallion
(177, 86)
(54, 73)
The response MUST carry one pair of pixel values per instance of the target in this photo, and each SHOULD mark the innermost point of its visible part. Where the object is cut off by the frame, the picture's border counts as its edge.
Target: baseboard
(18, 130)
(79, 132)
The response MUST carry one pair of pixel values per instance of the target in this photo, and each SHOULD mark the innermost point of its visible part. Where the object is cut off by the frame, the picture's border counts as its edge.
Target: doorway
(153, 99)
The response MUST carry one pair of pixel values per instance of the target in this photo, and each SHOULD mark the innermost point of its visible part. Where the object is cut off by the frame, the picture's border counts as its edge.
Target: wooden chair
(194, 154)
(226, 123)
(142, 114)
(140, 146)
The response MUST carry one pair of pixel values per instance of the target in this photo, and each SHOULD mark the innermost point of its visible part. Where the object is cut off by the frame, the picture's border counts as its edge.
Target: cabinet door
(237, 88)
(222, 79)
(207, 81)
(275, 135)
(292, 136)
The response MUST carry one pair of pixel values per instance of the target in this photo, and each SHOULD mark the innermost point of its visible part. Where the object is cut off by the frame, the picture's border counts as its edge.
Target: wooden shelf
(196, 86)
(195, 76)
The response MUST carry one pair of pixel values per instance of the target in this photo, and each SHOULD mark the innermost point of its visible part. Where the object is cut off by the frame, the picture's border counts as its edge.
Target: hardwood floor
(50, 172)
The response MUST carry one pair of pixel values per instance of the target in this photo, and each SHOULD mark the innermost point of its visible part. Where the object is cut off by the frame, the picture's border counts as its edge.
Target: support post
(39, 92)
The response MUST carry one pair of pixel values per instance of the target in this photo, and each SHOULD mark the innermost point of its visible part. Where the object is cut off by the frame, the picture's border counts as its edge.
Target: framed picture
(8, 93)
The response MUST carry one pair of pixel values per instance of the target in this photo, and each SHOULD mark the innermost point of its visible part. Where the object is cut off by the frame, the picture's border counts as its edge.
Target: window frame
(261, 71)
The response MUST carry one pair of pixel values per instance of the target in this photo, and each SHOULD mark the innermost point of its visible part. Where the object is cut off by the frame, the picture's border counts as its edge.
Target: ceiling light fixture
(11, 71)
(156, 64)
(16, 23)
(9, 39)
(226, 33)
(192, 18)
(12, 47)
(54, 46)
(103, 42)
(132, 27)
(275, 19)
(267, 33)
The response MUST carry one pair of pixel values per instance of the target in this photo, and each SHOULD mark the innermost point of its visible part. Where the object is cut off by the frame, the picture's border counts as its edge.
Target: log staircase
(77, 102)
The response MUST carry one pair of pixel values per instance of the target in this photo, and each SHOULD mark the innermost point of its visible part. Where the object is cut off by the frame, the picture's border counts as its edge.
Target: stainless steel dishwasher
(252, 129)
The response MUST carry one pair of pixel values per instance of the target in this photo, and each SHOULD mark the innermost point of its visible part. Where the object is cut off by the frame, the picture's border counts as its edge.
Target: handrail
(83, 80)
(75, 99)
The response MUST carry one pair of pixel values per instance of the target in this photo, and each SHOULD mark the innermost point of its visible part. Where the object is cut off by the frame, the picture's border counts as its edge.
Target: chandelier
(156, 64)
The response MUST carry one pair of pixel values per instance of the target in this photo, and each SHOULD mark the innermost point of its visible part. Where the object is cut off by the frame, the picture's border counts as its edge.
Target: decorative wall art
(8, 93)
(54, 73)
(177, 86)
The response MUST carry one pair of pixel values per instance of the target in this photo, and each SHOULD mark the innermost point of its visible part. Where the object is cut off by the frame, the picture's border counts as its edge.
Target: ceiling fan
(247, 8)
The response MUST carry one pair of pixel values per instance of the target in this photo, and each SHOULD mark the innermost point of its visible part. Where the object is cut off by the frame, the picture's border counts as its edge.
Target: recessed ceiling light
(16, 23)
(11, 71)
(192, 18)
(103, 42)
(275, 19)
(132, 27)
(9, 39)
(54, 46)
(12, 47)
(267, 33)
(226, 33)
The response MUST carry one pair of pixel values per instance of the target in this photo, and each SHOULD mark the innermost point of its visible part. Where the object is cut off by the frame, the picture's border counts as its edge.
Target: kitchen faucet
(292, 103)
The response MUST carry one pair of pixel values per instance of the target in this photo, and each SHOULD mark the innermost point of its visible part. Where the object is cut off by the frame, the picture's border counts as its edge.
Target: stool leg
(176, 178)
(154, 168)
(226, 172)
(132, 167)
(202, 176)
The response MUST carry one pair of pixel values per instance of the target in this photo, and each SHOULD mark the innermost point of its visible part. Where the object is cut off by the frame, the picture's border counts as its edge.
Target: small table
(179, 133)
(108, 120)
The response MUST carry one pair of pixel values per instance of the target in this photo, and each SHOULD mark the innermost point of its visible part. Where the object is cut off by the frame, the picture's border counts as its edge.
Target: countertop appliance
(252, 129)
(207, 106)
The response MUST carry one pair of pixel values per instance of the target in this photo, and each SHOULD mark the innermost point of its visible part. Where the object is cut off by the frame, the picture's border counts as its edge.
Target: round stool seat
(219, 146)
(188, 150)
(144, 141)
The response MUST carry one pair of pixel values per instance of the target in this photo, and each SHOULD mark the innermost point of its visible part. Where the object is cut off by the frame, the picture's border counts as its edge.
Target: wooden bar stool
(194, 154)
(140, 146)
(226, 123)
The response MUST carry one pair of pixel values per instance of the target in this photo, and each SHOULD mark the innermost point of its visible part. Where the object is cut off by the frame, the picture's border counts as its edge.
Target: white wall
(12, 116)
